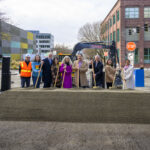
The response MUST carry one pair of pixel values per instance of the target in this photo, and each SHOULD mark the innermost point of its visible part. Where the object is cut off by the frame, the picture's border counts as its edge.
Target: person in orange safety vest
(25, 70)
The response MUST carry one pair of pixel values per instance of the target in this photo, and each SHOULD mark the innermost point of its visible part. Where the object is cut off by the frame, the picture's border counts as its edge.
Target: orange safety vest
(25, 70)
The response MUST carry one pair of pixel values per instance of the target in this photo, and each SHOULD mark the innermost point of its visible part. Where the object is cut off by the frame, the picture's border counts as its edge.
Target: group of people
(54, 75)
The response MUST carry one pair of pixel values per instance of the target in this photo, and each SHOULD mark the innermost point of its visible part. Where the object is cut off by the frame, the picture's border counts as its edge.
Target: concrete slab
(103, 106)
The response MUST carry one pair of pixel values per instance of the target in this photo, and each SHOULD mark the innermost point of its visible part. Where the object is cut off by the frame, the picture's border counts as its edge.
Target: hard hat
(28, 55)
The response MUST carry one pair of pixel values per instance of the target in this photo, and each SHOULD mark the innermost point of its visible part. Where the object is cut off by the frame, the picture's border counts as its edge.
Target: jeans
(25, 80)
(34, 81)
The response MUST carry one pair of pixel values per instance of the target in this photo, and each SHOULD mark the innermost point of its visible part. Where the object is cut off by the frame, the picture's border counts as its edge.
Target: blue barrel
(139, 78)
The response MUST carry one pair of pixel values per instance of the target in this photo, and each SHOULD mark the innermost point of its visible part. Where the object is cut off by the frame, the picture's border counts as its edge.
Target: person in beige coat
(80, 67)
(110, 73)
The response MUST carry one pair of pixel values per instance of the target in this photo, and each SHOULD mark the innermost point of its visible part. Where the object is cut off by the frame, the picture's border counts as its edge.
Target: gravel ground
(70, 136)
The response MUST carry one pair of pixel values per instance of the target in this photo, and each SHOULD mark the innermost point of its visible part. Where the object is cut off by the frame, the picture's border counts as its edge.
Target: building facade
(129, 21)
(15, 42)
(44, 42)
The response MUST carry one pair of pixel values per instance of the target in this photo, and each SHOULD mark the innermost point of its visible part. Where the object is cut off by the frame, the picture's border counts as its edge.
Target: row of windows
(112, 36)
(132, 34)
(113, 20)
(129, 13)
(43, 36)
(44, 41)
(134, 12)
(43, 46)
(146, 55)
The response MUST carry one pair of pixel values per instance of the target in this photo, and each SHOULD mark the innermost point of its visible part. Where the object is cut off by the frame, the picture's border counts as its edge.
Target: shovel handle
(38, 75)
(56, 76)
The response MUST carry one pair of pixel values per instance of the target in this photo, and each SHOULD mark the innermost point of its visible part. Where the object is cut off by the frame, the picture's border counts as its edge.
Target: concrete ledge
(75, 106)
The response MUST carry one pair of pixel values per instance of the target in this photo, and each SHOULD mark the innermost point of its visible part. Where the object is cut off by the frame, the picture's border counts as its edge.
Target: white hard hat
(28, 55)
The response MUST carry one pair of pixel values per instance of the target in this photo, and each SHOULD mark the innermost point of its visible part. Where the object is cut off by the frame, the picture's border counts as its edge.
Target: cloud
(62, 18)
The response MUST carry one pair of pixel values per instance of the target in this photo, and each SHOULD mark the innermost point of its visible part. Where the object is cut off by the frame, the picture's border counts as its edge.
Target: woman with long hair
(66, 70)
(36, 64)
(110, 73)
(56, 75)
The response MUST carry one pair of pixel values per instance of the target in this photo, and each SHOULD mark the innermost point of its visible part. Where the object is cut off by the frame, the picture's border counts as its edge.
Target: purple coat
(68, 76)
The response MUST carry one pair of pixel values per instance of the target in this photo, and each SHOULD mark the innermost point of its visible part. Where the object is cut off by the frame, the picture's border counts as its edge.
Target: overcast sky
(62, 18)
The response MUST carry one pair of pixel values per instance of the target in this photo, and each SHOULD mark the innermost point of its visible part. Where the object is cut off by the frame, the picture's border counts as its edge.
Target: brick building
(129, 21)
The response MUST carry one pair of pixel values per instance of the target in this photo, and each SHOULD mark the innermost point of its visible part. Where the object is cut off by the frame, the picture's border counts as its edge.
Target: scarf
(126, 67)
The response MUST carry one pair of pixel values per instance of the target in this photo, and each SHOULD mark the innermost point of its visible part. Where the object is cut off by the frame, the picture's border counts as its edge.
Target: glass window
(136, 56)
(131, 34)
(146, 55)
(114, 19)
(118, 15)
(118, 35)
(147, 33)
(114, 36)
(111, 37)
(106, 26)
(110, 22)
(132, 12)
(147, 12)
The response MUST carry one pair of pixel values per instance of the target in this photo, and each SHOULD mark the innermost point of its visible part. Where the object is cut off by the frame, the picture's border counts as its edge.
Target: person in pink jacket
(66, 70)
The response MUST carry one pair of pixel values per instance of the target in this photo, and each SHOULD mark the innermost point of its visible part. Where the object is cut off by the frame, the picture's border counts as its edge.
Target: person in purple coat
(66, 70)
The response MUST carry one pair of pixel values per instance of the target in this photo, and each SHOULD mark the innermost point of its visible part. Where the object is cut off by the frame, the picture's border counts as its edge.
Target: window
(118, 35)
(146, 55)
(146, 32)
(45, 46)
(114, 19)
(132, 12)
(147, 12)
(136, 56)
(118, 15)
(118, 51)
(131, 34)
(114, 36)
(110, 22)
(43, 37)
(44, 41)
(111, 37)
(108, 25)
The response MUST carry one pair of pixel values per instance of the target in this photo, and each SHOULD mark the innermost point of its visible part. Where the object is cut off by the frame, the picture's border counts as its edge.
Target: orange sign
(105, 54)
(131, 46)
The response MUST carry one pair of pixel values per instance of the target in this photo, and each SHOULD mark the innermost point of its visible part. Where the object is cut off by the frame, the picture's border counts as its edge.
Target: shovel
(38, 75)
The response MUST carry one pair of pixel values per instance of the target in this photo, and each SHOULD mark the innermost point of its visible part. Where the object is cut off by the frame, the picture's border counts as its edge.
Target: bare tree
(91, 32)
(61, 48)
(3, 16)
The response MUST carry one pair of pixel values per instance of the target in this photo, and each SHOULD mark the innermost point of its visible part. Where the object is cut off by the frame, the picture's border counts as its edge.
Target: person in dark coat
(98, 70)
(56, 74)
(47, 74)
